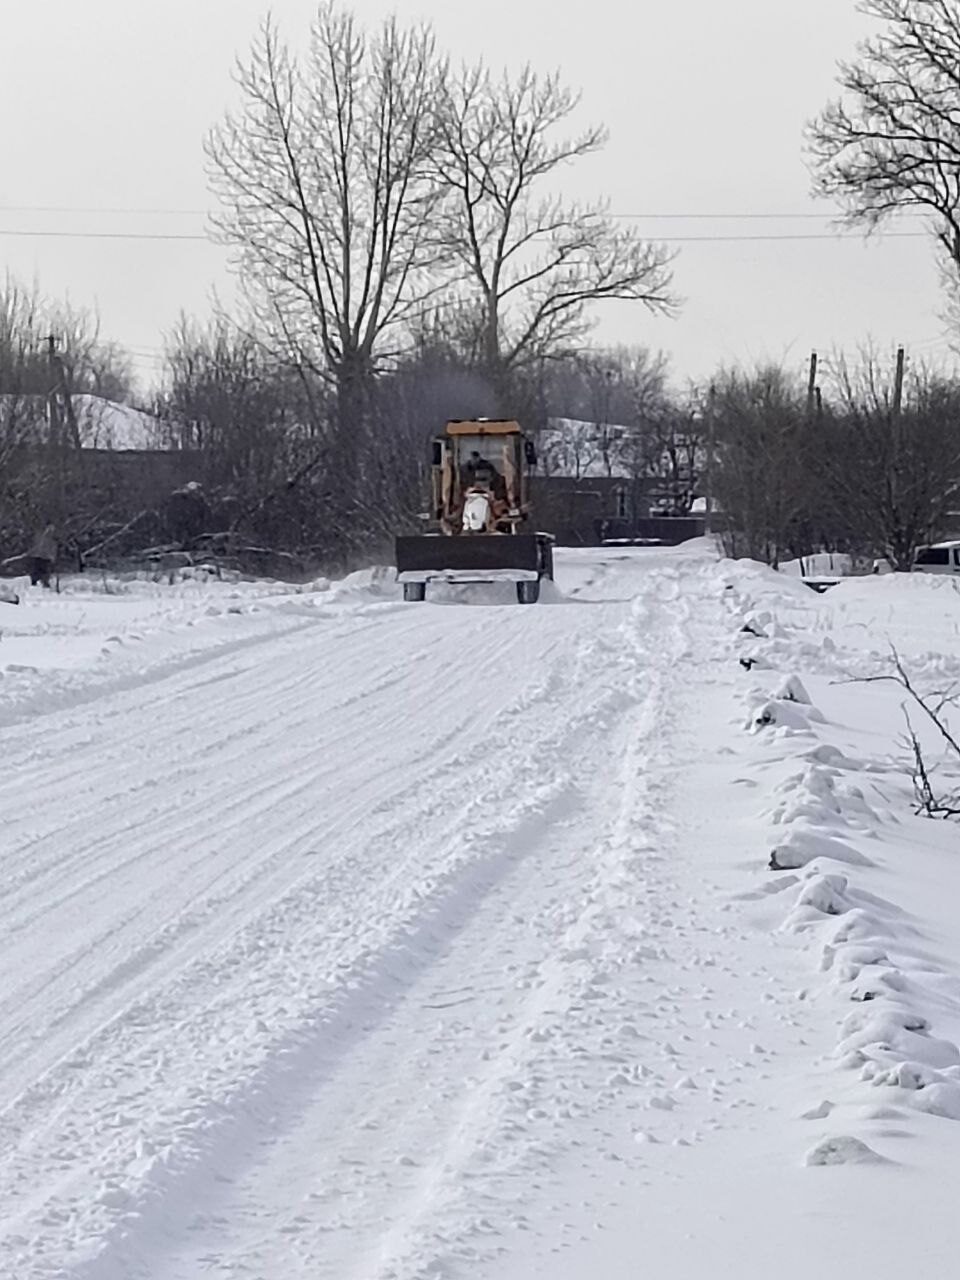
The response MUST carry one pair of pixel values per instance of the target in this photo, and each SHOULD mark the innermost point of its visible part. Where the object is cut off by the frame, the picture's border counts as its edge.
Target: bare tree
(893, 142)
(49, 353)
(227, 401)
(91, 364)
(535, 261)
(935, 707)
(671, 439)
(258, 431)
(634, 397)
(762, 467)
(605, 391)
(570, 447)
(892, 472)
(604, 398)
(326, 193)
(23, 376)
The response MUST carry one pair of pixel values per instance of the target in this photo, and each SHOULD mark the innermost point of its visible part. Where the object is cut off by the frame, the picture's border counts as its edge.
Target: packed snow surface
(345, 939)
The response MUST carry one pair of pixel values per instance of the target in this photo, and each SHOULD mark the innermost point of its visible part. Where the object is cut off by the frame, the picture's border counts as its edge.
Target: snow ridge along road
(306, 927)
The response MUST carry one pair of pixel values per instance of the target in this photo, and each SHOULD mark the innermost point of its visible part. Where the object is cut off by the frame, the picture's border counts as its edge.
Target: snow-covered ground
(354, 940)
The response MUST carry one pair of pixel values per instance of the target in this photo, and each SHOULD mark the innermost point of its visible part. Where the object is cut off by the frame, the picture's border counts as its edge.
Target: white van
(939, 557)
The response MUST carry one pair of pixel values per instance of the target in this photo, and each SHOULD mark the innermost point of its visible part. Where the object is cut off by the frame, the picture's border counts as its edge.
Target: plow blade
(479, 558)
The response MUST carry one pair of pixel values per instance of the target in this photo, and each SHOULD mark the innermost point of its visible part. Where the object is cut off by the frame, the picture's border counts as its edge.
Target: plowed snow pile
(344, 939)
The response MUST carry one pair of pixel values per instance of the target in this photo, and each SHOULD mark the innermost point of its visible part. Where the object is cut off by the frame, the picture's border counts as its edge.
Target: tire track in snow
(278, 791)
(123, 1032)
(544, 890)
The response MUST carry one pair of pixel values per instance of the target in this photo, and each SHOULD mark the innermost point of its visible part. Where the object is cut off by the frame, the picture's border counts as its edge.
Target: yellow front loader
(480, 481)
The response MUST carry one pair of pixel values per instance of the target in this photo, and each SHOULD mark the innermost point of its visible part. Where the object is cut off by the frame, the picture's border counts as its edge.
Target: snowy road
(380, 942)
(285, 896)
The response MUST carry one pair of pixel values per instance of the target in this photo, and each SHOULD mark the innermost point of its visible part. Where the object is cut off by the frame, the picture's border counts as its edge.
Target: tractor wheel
(528, 592)
(414, 592)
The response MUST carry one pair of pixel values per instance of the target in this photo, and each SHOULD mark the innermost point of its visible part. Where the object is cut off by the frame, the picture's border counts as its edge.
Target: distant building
(101, 424)
(125, 462)
(585, 494)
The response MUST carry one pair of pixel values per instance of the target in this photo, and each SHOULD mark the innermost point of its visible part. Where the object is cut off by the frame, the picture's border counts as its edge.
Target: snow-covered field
(344, 939)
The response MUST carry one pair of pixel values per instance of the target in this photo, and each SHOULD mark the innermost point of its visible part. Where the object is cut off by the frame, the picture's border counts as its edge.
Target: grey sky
(105, 104)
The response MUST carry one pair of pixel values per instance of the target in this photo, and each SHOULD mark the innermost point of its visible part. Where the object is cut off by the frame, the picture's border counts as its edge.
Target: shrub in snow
(873, 984)
(885, 1024)
(824, 893)
(754, 660)
(884, 1038)
(933, 708)
(911, 1076)
(814, 798)
(783, 715)
(792, 690)
(802, 847)
(940, 1099)
(759, 618)
(859, 925)
(936, 1093)
(853, 958)
(788, 858)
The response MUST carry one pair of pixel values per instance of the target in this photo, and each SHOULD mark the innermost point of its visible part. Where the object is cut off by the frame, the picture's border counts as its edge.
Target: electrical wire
(102, 235)
(61, 208)
(203, 213)
(681, 239)
(743, 217)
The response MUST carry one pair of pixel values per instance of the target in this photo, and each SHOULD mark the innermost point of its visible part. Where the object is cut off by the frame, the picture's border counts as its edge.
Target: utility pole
(55, 419)
(893, 482)
(65, 439)
(898, 384)
(709, 467)
(812, 386)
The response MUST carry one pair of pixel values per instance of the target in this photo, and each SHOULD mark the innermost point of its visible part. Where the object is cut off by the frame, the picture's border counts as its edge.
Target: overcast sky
(105, 104)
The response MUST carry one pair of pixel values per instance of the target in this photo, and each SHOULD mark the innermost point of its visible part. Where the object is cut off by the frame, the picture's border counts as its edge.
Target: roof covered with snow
(576, 449)
(102, 424)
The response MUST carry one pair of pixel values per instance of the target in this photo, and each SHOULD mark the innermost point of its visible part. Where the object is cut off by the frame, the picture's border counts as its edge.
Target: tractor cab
(479, 504)
(480, 477)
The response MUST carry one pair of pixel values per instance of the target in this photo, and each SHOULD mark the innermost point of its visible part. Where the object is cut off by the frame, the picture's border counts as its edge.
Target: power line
(682, 239)
(699, 215)
(788, 235)
(738, 217)
(103, 235)
(56, 208)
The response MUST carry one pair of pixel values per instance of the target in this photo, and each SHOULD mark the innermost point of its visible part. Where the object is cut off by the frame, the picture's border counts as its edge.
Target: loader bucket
(477, 558)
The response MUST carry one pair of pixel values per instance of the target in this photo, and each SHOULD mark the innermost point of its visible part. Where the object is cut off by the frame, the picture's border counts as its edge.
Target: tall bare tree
(762, 473)
(228, 402)
(672, 446)
(892, 142)
(535, 261)
(890, 473)
(326, 192)
(608, 398)
(49, 353)
(92, 365)
(23, 375)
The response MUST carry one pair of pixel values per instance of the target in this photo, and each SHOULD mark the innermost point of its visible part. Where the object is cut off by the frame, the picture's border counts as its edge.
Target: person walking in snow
(42, 555)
